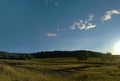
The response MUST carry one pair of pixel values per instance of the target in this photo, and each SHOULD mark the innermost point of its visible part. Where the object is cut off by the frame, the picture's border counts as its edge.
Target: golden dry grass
(59, 69)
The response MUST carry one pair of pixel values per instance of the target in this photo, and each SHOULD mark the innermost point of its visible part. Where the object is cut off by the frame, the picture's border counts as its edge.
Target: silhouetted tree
(28, 56)
(103, 58)
(83, 56)
(108, 57)
(13, 56)
(22, 57)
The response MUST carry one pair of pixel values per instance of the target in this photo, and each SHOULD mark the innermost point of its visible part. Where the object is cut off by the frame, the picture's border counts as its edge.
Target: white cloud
(51, 34)
(91, 17)
(108, 15)
(81, 21)
(73, 27)
(84, 25)
(90, 25)
(77, 25)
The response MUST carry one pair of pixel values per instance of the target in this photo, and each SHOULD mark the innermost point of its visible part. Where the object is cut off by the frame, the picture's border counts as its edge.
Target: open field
(59, 69)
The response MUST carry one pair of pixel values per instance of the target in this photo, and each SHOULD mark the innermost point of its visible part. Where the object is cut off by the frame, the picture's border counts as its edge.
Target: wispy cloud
(84, 24)
(60, 30)
(51, 34)
(55, 2)
(91, 17)
(90, 26)
(108, 15)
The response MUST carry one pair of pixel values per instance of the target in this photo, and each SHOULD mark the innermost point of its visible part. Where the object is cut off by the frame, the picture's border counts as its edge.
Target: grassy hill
(57, 66)
(59, 69)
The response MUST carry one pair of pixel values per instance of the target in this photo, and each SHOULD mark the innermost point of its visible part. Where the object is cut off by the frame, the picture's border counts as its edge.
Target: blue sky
(47, 25)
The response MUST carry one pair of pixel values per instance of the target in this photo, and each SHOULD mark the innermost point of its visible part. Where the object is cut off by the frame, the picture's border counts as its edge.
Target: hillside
(47, 54)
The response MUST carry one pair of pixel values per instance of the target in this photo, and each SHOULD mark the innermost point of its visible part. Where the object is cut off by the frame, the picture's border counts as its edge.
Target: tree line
(81, 55)
(22, 56)
(84, 56)
(58, 54)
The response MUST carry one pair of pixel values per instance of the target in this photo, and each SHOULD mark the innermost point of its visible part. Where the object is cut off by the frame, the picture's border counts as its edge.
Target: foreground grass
(58, 69)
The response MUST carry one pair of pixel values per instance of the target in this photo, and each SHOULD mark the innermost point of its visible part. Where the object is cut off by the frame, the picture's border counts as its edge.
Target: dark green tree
(83, 56)
(110, 57)
(103, 58)
(28, 56)
(22, 57)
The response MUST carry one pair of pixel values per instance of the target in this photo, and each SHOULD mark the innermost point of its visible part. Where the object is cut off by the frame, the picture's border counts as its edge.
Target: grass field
(59, 69)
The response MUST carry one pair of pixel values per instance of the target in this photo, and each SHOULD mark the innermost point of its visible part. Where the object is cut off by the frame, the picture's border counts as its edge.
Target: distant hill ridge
(51, 54)
(48, 54)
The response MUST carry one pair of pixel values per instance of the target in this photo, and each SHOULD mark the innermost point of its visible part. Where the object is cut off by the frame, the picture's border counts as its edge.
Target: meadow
(59, 69)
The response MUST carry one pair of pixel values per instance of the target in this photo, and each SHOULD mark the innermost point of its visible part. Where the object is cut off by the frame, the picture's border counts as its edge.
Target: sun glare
(117, 48)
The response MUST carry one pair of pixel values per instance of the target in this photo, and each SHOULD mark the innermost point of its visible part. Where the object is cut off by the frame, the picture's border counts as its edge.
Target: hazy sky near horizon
(46, 25)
